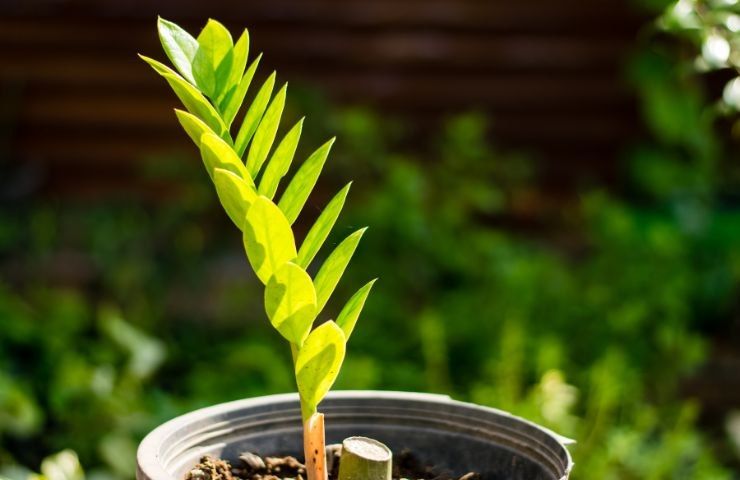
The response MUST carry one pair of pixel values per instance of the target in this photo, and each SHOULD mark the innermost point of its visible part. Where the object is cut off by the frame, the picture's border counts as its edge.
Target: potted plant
(211, 77)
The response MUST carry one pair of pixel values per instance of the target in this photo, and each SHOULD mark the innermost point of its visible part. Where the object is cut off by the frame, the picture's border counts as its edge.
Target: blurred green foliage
(119, 315)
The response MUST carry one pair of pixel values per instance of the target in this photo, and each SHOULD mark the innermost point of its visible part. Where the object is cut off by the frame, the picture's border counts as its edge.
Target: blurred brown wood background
(78, 104)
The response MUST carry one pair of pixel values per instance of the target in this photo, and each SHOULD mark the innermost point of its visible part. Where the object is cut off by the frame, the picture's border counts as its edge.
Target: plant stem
(365, 459)
(314, 447)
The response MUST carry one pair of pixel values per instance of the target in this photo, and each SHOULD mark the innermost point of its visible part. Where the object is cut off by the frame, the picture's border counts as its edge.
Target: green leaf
(268, 238)
(232, 102)
(62, 466)
(213, 59)
(193, 126)
(254, 115)
(318, 362)
(321, 228)
(235, 193)
(218, 154)
(295, 196)
(280, 161)
(265, 134)
(290, 302)
(179, 46)
(351, 312)
(333, 268)
(238, 63)
(193, 100)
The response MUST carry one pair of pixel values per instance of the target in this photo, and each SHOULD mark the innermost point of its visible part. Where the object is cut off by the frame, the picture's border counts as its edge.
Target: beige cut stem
(314, 447)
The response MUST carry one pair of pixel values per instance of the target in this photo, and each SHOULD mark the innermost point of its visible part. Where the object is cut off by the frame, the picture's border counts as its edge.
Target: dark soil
(254, 467)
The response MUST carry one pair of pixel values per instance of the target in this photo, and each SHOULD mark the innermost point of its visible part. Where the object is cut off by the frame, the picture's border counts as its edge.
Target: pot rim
(148, 460)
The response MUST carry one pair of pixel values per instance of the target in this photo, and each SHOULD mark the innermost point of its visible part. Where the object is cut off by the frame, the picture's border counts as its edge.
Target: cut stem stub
(365, 459)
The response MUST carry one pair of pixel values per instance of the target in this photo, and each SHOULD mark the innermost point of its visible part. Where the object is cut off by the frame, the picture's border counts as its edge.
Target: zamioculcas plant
(211, 77)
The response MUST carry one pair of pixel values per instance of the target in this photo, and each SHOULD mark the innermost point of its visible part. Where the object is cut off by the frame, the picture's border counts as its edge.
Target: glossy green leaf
(218, 154)
(321, 228)
(268, 238)
(232, 102)
(351, 312)
(295, 196)
(265, 134)
(280, 161)
(193, 100)
(179, 46)
(237, 65)
(254, 115)
(235, 193)
(213, 59)
(290, 302)
(193, 126)
(333, 268)
(318, 362)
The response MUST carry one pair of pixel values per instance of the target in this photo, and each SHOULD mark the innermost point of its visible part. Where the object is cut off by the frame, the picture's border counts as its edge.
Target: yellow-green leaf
(268, 238)
(237, 65)
(179, 46)
(213, 59)
(254, 115)
(265, 134)
(351, 312)
(218, 154)
(318, 362)
(193, 100)
(280, 161)
(232, 102)
(290, 302)
(333, 268)
(295, 196)
(235, 193)
(321, 228)
(193, 126)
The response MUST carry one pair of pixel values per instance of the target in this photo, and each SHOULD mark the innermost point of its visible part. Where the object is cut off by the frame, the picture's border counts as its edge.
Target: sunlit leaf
(237, 65)
(268, 238)
(62, 466)
(295, 196)
(254, 115)
(233, 100)
(179, 46)
(321, 228)
(351, 312)
(193, 126)
(265, 134)
(333, 268)
(280, 161)
(235, 193)
(290, 302)
(318, 362)
(193, 100)
(213, 59)
(218, 154)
